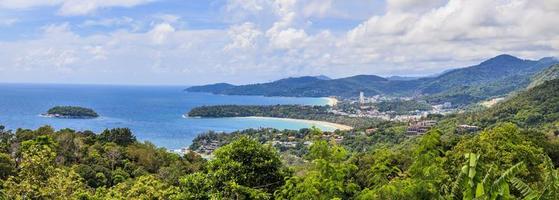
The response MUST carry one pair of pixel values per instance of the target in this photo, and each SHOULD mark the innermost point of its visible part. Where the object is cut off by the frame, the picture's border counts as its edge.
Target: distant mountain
(306, 86)
(494, 69)
(497, 76)
(214, 88)
(494, 77)
(322, 77)
(402, 78)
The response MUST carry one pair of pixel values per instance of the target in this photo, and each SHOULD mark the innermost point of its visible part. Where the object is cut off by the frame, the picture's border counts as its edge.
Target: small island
(73, 112)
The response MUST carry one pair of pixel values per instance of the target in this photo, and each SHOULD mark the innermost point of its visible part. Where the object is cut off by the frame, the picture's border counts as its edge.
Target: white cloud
(22, 4)
(456, 33)
(60, 59)
(340, 9)
(8, 22)
(107, 22)
(247, 5)
(160, 32)
(271, 39)
(83, 7)
(71, 7)
(318, 8)
(414, 5)
(98, 52)
(168, 18)
(288, 39)
(162, 55)
(244, 36)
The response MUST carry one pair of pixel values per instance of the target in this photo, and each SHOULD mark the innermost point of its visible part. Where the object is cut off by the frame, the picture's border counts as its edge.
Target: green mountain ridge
(494, 77)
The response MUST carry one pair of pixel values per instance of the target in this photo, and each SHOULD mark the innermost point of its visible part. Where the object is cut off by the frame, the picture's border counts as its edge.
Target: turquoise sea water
(154, 113)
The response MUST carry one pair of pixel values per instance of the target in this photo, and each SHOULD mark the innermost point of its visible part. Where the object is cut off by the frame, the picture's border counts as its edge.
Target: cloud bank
(269, 39)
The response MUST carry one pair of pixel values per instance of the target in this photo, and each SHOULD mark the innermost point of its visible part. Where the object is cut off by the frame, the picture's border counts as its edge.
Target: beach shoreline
(312, 122)
(331, 101)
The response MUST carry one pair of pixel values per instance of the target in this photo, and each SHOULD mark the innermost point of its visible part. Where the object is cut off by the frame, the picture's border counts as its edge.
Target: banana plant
(473, 186)
(550, 190)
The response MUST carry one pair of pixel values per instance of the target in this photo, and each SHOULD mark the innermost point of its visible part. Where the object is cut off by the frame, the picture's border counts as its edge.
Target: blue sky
(186, 42)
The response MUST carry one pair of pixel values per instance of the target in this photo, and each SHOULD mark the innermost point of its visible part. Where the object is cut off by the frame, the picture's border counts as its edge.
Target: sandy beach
(312, 122)
(332, 101)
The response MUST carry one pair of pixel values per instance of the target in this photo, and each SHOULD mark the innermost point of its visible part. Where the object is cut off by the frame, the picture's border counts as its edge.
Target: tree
(243, 169)
(424, 179)
(37, 165)
(502, 147)
(379, 167)
(196, 186)
(113, 154)
(64, 184)
(70, 146)
(200, 186)
(329, 177)
(120, 136)
(38, 178)
(45, 130)
(92, 177)
(246, 162)
(119, 176)
(7, 166)
(148, 156)
(145, 187)
(6, 139)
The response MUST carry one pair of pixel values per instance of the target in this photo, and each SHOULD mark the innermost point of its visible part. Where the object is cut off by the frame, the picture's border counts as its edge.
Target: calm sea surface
(154, 113)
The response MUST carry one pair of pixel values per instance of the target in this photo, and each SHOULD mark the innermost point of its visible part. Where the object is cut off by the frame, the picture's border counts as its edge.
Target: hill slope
(536, 107)
(546, 75)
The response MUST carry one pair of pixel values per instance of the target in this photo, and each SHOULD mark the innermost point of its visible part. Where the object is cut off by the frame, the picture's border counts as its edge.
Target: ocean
(153, 113)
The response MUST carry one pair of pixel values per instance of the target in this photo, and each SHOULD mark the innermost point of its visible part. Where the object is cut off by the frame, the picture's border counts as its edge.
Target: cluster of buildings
(362, 100)
(467, 128)
(292, 141)
(420, 127)
(207, 148)
(277, 140)
(363, 112)
(363, 107)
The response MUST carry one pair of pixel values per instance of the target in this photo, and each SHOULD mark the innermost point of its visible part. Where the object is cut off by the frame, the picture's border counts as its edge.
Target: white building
(361, 97)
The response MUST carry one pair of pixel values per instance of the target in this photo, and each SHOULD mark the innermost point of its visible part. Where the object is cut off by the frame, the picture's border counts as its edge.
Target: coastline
(312, 122)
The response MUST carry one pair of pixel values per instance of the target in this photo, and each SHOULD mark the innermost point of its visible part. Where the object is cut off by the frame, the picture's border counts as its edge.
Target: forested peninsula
(316, 113)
